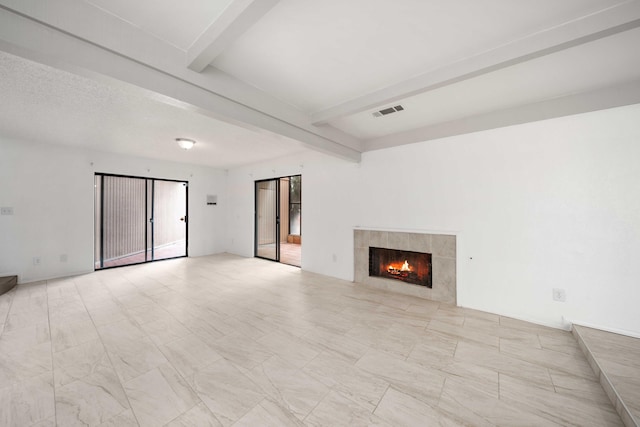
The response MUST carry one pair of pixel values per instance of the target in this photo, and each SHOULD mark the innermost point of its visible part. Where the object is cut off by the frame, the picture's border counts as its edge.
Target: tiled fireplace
(432, 278)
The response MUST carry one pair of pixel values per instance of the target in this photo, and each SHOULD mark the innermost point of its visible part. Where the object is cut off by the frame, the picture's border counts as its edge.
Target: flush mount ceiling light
(185, 144)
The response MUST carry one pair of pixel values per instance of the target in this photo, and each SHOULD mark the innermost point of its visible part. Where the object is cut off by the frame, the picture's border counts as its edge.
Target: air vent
(389, 110)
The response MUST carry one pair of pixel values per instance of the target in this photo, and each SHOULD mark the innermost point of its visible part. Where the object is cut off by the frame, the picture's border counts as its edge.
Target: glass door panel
(267, 221)
(169, 219)
(139, 220)
(121, 206)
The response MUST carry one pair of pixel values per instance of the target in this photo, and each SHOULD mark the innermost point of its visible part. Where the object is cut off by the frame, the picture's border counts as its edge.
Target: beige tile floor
(224, 340)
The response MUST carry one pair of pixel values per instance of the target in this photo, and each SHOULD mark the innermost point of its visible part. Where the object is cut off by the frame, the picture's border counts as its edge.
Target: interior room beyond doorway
(279, 219)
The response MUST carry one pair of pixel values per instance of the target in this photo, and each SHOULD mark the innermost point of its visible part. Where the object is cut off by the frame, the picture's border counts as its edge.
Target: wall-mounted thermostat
(212, 199)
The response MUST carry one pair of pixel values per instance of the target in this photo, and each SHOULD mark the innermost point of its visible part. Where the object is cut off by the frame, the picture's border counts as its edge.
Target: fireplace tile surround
(441, 246)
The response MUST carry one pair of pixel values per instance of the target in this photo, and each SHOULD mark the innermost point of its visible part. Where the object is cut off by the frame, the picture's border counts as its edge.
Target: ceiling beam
(121, 54)
(617, 19)
(237, 18)
(584, 102)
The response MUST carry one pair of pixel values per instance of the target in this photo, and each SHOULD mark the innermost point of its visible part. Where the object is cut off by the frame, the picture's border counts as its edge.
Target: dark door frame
(278, 223)
(277, 219)
(147, 180)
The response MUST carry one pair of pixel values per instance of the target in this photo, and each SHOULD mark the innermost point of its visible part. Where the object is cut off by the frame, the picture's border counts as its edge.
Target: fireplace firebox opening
(406, 266)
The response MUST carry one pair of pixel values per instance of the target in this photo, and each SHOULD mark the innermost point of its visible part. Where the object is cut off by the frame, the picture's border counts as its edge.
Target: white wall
(51, 191)
(545, 205)
(552, 204)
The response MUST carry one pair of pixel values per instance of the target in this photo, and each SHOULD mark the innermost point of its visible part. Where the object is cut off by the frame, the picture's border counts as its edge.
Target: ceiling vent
(389, 110)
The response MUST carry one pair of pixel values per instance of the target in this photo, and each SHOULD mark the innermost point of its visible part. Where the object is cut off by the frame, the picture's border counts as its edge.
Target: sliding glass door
(278, 218)
(267, 220)
(169, 219)
(139, 220)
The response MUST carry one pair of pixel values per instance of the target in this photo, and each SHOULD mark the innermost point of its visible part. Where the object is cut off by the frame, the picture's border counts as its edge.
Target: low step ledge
(7, 283)
(609, 386)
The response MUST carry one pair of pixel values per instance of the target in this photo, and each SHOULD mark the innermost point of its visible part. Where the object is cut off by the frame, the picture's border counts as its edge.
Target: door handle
(184, 218)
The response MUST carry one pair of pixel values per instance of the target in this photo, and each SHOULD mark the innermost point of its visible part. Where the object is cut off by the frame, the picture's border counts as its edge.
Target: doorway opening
(278, 219)
(139, 220)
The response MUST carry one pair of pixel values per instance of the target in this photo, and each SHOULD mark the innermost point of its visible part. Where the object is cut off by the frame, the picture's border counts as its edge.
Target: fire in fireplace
(407, 266)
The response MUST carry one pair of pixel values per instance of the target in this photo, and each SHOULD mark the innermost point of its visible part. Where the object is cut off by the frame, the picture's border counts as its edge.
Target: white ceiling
(573, 70)
(41, 103)
(177, 24)
(256, 79)
(317, 54)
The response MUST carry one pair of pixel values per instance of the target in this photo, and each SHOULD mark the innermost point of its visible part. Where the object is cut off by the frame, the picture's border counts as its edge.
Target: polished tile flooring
(224, 340)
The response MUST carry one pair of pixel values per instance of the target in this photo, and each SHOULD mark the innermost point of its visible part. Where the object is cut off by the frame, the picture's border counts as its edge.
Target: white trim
(605, 328)
(406, 230)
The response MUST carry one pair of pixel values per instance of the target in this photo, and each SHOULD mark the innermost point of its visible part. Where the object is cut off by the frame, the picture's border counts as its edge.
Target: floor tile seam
(200, 367)
(519, 359)
(279, 400)
(67, 320)
(554, 418)
(386, 390)
(168, 361)
(543, 364)
(329, 391)
(6, 316)
(531, 328)
(555, 390)
(437, 406)
(165, 344)
(53, 373)
(566, 353)
(444, 380)
(14, 383)
(184, 412)
(544, 349)
(535, 384)
(108, 354)
(604, 378)
(413, 346)
(244, 414)
(609, 407)
(452, 415)
(313, 359)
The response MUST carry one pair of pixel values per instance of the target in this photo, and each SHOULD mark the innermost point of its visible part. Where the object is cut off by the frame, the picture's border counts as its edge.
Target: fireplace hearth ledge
(442, 246)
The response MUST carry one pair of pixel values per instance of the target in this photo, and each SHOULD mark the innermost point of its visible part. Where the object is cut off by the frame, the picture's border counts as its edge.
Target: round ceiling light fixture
(185, 144)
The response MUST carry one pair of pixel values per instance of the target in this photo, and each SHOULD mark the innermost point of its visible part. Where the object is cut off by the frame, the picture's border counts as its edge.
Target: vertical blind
(138, 219)
(124, 218)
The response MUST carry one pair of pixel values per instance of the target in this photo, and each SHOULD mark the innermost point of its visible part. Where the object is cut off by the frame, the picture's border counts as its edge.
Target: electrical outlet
(559, 295)
(6, 211)
(36, 260)
(63, 258)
